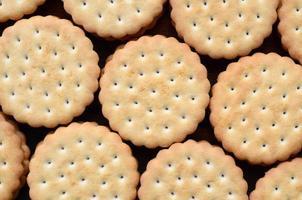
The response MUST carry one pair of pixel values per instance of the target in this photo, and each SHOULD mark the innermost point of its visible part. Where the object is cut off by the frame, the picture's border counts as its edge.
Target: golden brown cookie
(154, 91)
(48, 71)
(224, 28)
(83, 161)
(290, 27)
(256, 108)
(280, 183)
(192, 170)
(114, 19)
(13, 159)
(15, 9)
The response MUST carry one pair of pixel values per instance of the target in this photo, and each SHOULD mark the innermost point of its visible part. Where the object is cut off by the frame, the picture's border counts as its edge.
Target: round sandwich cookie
(290, 27)
(48, 71)
(154, 91)
(224, 28)
(16, 9)
(192, 170)
(14, 155)
(83, 161)
(256, 108)
(280, 183)
(115, 19)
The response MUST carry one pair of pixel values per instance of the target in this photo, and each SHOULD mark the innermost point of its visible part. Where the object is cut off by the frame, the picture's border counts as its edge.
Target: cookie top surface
(15, 9)
(48, 71)
(11, 160)
(154, 91)
(83, 161)
(256, 108)
(224, 28)
(282, 182)
(114, 18)
(24, 147)
(192, 171)
(290, 27)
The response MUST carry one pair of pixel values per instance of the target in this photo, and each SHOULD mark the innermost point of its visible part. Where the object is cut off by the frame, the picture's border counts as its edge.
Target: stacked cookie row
(154, 92)
(220, 29)
(90, 162)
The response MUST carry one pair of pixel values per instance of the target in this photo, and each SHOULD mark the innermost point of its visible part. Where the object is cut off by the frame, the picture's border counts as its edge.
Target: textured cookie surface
(290, 27)
(192, 171)
(224, 28)
(48, 71)
(114, 18)
(24, 147)
(257, 108)
(154, 91)
(15, 9)
(12, 160)
(83, 161)
(282, 182)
